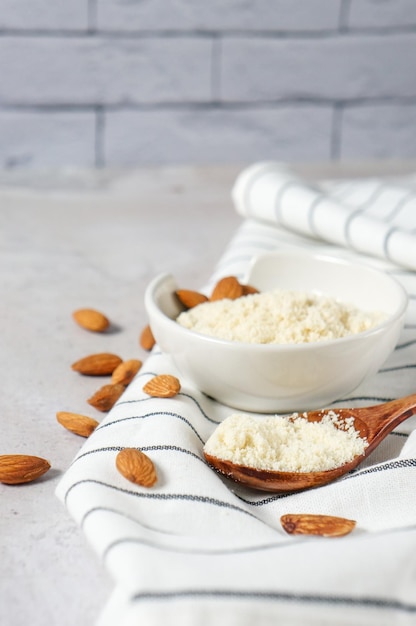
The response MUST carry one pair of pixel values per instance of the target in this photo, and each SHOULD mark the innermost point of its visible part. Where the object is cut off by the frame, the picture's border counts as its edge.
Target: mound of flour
(278, 316)
(286, 443)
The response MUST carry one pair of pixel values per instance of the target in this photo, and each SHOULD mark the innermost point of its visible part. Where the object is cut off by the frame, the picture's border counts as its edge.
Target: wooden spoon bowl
(374, 423)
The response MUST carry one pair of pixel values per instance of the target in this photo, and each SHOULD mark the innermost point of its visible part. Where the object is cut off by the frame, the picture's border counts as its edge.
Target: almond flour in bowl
(280, 378)
(286, 443)
(279, 316)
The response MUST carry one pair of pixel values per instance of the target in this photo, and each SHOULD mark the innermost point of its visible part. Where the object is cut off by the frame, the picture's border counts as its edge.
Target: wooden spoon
(373, 422)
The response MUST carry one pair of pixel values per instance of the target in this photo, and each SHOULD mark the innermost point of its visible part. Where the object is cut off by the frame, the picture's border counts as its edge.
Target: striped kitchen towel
(370, 216)
(198, 550)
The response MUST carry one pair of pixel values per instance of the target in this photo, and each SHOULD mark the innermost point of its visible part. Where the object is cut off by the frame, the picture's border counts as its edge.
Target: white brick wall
(218, 15)
(104, 71)
(382, 14)
(21, 15)
(329, 68)
(233, 135)
(379, 130)
(130, 82)
(47, 138)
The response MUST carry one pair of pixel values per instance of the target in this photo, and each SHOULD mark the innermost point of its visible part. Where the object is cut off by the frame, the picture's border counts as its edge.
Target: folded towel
(372, 217)
(199, 550)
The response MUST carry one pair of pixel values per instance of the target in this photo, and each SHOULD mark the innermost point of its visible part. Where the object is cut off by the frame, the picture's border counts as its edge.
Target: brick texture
(387, 14)
(100, 70)
(43, 14)
(52, 139)
(218, 136)
(134, 82)
(366, 67)
(217, 15)
(379, 132)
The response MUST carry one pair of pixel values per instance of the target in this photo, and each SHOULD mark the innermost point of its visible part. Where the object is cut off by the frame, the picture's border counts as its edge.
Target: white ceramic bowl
(280, 378)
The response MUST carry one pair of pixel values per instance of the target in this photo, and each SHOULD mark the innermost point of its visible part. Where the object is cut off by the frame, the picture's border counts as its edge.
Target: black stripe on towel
(275, 596)
(188, 497)
(154, 448)
(152, 414)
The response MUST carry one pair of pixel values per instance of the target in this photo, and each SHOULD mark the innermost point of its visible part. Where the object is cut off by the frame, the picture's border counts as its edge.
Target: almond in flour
(190, 298)
(228, 287)
(249, 290)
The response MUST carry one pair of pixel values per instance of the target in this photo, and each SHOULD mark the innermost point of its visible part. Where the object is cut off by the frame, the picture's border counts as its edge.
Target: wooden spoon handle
(382, 419)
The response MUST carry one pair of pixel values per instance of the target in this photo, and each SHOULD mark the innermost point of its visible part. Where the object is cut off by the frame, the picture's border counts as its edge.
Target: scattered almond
(21, 468)
(126, 371)
(136, 466)
(90, 319)
(323, 525)
(162, 386)
(101, 364)
(105, 398)
(190, 298)
(227, 287)
(79, 424)
(147, 341)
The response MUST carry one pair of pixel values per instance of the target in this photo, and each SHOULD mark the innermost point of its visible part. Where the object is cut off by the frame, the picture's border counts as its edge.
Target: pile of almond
(132, 463)
(100, 364)
(107, 364)
(227, 287)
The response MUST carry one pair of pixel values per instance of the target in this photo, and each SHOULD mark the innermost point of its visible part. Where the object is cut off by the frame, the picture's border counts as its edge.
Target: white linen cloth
(369, 217)
(199, 550)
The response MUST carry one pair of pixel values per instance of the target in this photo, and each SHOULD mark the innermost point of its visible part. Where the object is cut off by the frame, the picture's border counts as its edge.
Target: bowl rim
(153, 308)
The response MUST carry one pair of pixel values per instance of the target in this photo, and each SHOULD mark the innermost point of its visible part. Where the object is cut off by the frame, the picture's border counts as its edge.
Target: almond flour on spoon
(286, 443)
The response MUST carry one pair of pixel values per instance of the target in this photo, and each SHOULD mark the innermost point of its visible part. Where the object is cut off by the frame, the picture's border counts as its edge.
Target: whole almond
(101, 364)
(90, 319)
(227, 287)
(106, 397)
(81, 425)
(136, 466)
(190, 298)
(162, 386)
(21, 468)
(126, 371)
(147, 341)
(323, 525)
(249, 289)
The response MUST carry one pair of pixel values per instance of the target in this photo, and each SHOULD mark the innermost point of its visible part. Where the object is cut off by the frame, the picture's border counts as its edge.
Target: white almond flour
(278, 316)
(286, 443)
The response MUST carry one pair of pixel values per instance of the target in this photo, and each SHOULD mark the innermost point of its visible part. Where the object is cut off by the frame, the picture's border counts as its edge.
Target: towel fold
(380, 222)
(198, 550)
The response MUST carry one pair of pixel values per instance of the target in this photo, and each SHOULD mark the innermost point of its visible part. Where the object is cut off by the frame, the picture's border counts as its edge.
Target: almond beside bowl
(275, 377)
